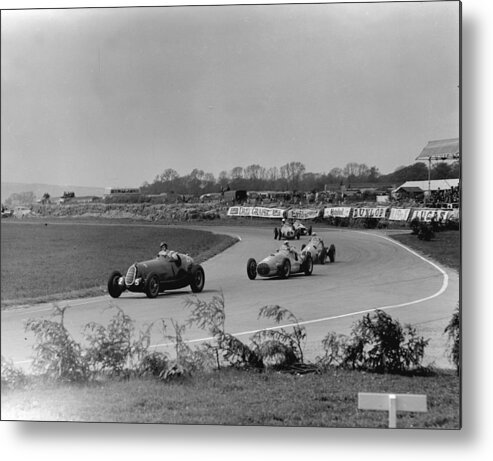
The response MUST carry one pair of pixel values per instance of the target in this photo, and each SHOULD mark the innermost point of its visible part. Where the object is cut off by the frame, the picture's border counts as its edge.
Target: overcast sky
(100, 97)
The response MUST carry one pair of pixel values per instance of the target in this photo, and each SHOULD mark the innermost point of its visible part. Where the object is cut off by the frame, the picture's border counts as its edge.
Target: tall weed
(57, 355)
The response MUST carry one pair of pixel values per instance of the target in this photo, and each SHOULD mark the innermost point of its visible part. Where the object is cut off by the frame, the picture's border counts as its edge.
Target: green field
(43, 262)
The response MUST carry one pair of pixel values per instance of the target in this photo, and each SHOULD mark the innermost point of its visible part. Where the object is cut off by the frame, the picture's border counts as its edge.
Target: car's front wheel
(114, 289)
(152, 286)
(308, 264)
(332, 253)
(286, 269)
(252, 269)
(323, 255)
(198, 279)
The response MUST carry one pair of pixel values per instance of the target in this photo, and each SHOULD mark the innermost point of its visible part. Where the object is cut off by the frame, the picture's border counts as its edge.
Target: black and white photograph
(233, 215)
(230, 202)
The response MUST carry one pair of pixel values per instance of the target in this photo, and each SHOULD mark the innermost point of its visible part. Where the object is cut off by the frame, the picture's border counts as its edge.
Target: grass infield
(49, 261)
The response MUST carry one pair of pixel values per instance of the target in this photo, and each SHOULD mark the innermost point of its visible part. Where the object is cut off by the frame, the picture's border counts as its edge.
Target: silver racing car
(282, 263)
(318, 251)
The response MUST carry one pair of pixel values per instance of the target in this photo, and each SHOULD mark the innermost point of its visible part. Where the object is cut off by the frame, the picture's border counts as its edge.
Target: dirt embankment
(140, 211)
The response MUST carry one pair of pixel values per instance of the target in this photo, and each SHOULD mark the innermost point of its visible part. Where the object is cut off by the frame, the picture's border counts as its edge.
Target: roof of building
(441, 149)
(434, 184)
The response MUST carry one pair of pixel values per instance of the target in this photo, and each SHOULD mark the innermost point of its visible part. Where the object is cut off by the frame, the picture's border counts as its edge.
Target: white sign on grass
(392, 403)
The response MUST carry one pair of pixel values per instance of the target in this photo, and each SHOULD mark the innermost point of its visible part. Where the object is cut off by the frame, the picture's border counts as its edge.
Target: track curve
(371, 272)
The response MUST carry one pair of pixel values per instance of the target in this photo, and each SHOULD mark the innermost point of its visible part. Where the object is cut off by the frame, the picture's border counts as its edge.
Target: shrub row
(377, 343)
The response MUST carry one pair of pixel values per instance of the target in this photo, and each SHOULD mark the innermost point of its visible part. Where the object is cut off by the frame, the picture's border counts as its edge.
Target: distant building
(417, 188)
(108, 191)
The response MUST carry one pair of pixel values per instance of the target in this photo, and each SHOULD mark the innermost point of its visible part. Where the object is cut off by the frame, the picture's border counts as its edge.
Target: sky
(114, 96)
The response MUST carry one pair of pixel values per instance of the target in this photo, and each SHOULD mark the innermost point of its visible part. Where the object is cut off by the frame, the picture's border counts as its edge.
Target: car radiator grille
(130, 277)
(263, 269)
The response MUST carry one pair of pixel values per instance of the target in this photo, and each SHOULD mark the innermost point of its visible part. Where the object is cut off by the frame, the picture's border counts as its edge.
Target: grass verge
(444, 248)
(44, 262)
(233, 397)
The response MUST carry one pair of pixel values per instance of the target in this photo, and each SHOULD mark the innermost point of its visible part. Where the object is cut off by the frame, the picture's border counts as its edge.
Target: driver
(170, 254)
(286, 246)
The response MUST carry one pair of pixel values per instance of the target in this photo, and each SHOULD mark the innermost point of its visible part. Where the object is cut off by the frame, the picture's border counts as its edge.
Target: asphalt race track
(371, 271)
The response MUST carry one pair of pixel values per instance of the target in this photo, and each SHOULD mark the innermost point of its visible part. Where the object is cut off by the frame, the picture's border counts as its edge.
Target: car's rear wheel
(286, 269)
(310, 230)
(276, 233)
(198, 279)
(114, 289)
(332, 253)
(252, 269)
(152, 286)
(308, 264)
(323, 255)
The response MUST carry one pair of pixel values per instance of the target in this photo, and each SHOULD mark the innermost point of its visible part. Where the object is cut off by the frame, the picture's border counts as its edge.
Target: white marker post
(392, 403)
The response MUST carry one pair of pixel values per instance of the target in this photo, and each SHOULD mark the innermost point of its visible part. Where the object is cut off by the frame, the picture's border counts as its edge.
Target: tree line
(292, 177)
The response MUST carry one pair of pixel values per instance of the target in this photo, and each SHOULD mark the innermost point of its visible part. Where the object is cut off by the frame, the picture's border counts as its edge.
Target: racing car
(291, 230)
(318, 251)
(157, 275)
(302, 228)
(282, 263)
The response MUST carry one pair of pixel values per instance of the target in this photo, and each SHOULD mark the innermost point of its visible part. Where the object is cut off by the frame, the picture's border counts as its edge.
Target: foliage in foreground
(377, 343)
(453, 332)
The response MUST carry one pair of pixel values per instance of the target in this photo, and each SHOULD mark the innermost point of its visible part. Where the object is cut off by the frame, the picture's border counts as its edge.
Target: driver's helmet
(285, 244)
(163, 244)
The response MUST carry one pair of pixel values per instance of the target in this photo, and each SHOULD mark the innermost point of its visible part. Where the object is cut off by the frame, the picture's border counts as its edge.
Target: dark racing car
(157, 275)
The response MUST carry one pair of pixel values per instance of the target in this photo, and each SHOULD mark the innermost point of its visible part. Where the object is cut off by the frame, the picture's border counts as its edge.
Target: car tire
(198, 279)
(310, 230)
(323, 255)
(276, 233)
(152, 286)
(286, 269)
(252, 269)
(114, 289)
(308, 264)
(332, 253)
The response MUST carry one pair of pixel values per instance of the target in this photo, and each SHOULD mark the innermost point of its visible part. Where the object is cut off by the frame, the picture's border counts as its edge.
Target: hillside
(55, 191)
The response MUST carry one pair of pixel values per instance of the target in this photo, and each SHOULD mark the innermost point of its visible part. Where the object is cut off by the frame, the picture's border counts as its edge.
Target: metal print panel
(232, 215)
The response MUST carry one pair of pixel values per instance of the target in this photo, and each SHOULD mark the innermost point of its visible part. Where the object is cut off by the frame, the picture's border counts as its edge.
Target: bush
(12, 377)
(113, 349)
(378, 344)
(425, 232)
(279, 348)
(57, 355)
(154, 364)
(227, 349)
(453, 331)
(188, 360)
